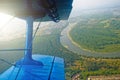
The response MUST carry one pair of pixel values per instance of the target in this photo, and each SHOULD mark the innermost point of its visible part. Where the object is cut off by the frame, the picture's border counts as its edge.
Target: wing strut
(28, 44)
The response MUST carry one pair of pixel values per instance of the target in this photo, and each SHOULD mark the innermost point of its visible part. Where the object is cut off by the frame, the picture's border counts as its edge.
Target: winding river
(66, 41)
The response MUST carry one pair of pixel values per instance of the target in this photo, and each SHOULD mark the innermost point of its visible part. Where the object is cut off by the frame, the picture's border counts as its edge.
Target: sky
(18, 25)
(87, 4)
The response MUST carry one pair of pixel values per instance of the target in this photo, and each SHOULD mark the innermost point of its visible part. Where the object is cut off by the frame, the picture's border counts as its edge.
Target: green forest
(89, 66)
(98, 34)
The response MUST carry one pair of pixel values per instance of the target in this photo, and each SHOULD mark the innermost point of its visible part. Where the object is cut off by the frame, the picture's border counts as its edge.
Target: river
(69, 44)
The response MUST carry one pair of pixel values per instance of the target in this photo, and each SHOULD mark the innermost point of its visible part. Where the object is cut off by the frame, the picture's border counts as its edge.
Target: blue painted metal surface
(29, 38)
(36, 72)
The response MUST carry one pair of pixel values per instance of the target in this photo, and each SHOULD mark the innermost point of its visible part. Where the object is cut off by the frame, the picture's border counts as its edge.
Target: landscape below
(95, 32)
(98, 32)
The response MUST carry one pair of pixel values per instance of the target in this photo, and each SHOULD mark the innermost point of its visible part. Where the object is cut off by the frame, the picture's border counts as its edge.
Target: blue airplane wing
(54, 9)
(52, 69)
